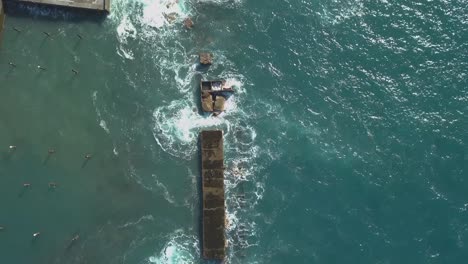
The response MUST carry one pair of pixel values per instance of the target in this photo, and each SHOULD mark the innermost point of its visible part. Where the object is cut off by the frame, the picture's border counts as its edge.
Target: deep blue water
(347, 133)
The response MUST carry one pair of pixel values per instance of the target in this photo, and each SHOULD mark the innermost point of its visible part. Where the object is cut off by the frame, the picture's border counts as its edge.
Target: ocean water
(347, 134)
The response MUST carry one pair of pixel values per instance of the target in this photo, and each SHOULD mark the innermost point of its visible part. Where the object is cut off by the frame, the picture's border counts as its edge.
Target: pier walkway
(99, 5)
(2, 20)
(212, 168)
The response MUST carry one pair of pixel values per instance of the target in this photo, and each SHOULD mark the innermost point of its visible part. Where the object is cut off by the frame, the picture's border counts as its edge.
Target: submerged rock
(171, 17)
(205, 58)
(188, 23)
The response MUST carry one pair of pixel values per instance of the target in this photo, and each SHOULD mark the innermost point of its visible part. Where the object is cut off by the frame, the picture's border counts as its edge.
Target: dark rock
(188, 23)
(206, 58)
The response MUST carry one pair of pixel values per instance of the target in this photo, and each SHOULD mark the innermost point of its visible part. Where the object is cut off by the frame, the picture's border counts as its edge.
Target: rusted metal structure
(214, 216)
(214, 94)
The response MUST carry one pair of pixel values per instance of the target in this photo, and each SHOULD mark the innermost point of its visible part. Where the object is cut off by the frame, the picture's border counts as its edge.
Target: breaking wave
(180, 249)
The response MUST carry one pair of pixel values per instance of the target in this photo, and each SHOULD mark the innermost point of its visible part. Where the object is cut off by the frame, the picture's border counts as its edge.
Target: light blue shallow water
(347, 134)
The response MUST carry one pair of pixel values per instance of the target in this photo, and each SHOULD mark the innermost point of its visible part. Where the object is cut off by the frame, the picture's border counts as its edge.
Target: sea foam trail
(102, 122)
(125, 31)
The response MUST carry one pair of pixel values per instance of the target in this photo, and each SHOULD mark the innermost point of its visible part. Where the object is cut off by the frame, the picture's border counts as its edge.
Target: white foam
(180, 249)
(157, 22)
(116, 153)
(152, 13)
(124, 53)
(158, 13)
(103, 124)
(126, 30)
(177, 126)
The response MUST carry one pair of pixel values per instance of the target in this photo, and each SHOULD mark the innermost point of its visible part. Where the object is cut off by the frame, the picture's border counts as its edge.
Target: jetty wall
(212, 170)
(2, 20)
(99, 5)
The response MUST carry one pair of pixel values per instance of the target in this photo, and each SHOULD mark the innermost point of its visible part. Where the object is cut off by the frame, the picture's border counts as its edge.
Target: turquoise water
(347, 134)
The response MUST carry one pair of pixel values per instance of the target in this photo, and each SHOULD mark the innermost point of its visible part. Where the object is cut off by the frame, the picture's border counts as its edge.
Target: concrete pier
(99, 5)
(2, 21)
(212, 168)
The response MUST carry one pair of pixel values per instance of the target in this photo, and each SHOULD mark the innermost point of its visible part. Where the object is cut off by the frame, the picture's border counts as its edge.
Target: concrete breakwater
(98, 5)
(212, 167)
(2, 20)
